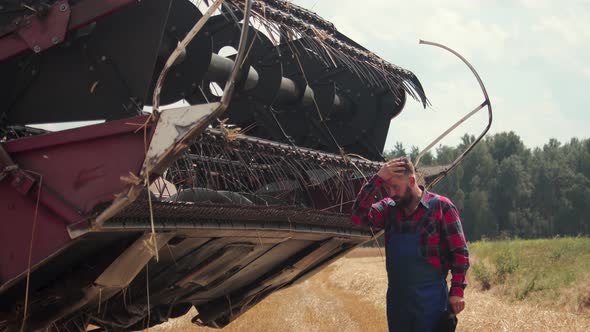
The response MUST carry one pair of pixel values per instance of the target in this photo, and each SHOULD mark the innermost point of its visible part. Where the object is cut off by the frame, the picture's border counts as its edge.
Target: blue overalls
(417, 295)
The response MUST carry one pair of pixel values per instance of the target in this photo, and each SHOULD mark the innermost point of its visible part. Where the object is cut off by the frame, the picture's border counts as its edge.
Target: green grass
(553, 272)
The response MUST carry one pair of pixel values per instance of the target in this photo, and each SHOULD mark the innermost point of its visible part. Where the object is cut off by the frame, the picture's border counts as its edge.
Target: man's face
(398, 188)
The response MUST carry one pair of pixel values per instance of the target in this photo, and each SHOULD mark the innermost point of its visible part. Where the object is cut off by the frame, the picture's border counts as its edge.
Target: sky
(532, 55)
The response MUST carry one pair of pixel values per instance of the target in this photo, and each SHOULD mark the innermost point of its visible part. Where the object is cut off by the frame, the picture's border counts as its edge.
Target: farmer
(423, 241)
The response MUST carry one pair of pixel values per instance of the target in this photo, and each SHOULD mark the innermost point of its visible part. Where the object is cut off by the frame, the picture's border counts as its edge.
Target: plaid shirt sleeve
(452, 233)
(364, 212)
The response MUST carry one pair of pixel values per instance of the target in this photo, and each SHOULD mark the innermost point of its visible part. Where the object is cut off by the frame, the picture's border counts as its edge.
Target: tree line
(504, 189)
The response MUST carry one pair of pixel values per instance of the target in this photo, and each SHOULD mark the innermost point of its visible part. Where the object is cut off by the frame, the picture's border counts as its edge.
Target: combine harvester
(250, 183)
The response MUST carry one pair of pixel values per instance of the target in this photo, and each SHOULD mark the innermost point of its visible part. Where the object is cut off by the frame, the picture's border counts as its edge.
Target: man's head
(402, 188)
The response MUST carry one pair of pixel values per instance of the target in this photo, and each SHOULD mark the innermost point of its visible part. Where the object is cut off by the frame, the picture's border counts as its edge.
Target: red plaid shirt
(443, 242)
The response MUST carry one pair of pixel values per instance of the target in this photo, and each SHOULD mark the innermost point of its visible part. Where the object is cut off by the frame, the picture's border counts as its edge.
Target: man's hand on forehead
(391, 169)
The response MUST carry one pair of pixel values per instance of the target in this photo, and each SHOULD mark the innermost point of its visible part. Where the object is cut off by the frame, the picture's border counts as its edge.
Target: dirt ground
(349, 295)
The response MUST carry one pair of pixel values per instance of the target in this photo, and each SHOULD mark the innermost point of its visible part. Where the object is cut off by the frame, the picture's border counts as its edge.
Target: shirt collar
(425, 193)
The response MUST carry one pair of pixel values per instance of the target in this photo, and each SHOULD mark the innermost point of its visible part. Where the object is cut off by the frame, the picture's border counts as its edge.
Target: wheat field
(349, 295)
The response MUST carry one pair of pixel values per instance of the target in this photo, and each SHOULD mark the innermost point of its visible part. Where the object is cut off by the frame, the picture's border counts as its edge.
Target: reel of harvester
(304, 83)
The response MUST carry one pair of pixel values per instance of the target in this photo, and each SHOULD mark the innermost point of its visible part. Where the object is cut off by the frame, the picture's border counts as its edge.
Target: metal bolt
(103, 58)
(55, 40)
(36, 48)
(63, 7)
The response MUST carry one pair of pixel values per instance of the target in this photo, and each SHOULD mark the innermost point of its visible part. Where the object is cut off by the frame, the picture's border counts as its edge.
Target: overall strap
(428, 212)
(392, 217)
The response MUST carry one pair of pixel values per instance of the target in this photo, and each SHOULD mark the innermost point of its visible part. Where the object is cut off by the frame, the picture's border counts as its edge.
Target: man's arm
(364, 212)
(459, 254)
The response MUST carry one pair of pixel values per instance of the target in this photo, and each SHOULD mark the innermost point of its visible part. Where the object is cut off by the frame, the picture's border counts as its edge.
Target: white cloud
(452, 99)
(527, 53)
(537, 120)
(560, 34)
(396, 24)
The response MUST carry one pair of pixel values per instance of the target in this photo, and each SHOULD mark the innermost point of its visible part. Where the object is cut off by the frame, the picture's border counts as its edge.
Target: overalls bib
(417, 294)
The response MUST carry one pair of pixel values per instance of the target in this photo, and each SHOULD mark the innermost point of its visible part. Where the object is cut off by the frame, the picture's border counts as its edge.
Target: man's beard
(405, 200)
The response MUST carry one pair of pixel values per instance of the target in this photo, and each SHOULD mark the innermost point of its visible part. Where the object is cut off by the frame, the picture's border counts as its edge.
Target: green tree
(399, 150)
(512, 191)
(504, 188)
(504, 145)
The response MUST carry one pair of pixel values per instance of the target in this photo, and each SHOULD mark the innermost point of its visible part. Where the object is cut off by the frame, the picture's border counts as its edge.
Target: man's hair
(408, 165)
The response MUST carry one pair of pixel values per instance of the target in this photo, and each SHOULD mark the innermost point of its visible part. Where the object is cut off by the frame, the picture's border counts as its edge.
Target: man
(423, 241)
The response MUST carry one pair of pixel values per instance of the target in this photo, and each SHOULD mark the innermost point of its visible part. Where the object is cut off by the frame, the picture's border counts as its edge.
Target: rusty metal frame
(485, 103)
(158, 162)
(68, 19)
